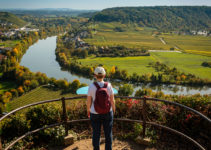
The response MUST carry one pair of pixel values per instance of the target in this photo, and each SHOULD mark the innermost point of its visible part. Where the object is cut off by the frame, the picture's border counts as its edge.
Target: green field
(188, 63)
(133, 36)
(192, 44)
(137, 37)
(9, 43)
(6, 85)
(36, 95)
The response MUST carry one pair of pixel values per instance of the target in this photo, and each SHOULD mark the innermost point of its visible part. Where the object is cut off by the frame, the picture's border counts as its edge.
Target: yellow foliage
(20, 89)
(178, 78)
(36, 33)
(15, 51)
(13, 60)
(6, 97)
(8, 94)
(27, 82)
(113, 70)
(183, 77)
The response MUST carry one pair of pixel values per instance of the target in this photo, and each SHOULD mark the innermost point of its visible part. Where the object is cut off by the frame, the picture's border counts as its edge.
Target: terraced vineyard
(36, 95)
(132, 36)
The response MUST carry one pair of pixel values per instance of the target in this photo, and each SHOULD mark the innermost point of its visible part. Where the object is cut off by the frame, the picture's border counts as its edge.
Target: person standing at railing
(100, 109)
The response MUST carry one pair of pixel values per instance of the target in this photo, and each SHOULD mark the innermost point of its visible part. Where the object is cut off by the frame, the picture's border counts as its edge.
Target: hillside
(160, 17)
(6, 17)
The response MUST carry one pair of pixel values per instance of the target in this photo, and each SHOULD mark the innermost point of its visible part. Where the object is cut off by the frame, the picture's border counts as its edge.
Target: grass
(191, 44)
(9, 43)
(188, 63)
(6, 86)
(131, 64)
(36, 95)
(137, 37)
(133, 36)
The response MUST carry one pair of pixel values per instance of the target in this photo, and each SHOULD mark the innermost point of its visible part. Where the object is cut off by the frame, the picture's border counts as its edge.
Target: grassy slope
(133, 36)
(138, 37)
(192, 44)
(11, 18)
(36, 95)
(9, 43)
(188, 63)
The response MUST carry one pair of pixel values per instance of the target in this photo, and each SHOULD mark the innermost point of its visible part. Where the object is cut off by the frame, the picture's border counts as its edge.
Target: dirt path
(162, 40)
(117, 145)
(165, 51)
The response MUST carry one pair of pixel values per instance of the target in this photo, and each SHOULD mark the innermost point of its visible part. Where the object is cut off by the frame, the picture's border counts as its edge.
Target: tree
(62, 84)
(34, 84)
(125, 90)
(144, 92)
(74, 86)
(14, 93)
(20, 90)
(15, 52)
(113, 70)
(27, 82)
(84, 53)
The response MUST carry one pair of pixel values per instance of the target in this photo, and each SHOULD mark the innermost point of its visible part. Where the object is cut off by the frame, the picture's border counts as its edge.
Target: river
(41, 57)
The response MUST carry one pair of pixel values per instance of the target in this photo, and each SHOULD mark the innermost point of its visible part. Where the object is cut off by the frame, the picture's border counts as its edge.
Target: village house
(194, 32)
(202, 32)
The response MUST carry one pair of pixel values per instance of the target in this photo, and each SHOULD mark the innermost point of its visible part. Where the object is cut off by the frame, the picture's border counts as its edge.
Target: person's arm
(89, 103)
(113, 103)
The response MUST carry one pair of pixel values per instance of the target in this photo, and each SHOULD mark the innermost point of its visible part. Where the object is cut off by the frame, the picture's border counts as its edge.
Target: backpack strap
(105, 85)
(97, 85)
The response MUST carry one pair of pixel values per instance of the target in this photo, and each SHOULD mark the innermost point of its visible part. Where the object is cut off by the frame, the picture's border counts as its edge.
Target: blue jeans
(107, 121)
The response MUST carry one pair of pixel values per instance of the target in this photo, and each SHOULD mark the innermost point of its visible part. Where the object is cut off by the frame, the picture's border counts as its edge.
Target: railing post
(64, 115)
(0, 144)
(144, 117)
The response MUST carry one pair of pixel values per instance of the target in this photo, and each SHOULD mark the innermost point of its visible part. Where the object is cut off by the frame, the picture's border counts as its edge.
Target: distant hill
(6, 17)
(160, 17)
(48, 12)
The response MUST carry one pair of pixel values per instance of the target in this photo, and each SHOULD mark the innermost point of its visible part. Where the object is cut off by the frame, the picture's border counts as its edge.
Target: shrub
(13, 127)
(52, 136)
(14, 93)
(34, 84)
(125, 90)
(20, 90)
(143, 92)
(74, 86)
(42, 115)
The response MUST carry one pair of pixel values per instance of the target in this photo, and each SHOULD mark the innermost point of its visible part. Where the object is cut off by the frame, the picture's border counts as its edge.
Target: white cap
(99, 70)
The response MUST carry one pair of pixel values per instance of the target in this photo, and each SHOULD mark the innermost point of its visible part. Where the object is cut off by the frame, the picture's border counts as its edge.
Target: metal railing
(65, 121)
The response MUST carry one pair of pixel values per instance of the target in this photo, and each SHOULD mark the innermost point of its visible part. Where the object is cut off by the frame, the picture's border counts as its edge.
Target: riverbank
(42, 54)
(155, 71)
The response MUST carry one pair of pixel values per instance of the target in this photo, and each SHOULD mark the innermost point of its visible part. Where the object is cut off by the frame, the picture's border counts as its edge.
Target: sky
(96, 4)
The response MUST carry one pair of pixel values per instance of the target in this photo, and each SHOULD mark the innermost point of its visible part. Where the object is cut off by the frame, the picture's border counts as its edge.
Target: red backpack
(102, 102)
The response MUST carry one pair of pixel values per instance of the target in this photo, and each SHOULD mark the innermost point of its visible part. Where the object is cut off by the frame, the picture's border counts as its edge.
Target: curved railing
(65, 122)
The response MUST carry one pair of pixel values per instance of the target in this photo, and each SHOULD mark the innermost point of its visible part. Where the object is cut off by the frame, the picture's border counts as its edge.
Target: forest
(160, 17)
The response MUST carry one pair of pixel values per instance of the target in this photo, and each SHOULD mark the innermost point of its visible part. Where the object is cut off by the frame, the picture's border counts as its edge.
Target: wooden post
(64, 116)
(144, 117)
(0, 144)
